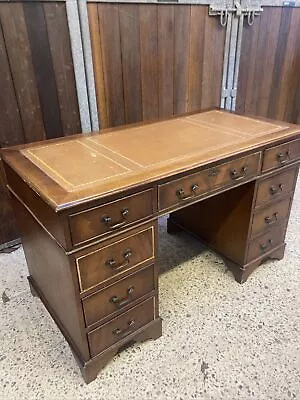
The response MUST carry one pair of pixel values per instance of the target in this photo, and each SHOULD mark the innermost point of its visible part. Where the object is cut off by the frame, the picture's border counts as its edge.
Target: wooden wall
(150, 61)
(38, 93)
(153, 61)
(269, 75)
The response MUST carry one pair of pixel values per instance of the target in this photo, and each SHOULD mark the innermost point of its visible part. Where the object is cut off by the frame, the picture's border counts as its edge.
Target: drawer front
(109, 261)
(116, 297)
(183, 190)
(276, 187)
(110, 217)
(120, 327)
(271, 216)
(283, 154)
(266, 242)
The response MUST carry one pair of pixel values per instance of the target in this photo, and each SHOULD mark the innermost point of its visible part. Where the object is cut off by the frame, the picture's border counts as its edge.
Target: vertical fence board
(130, 49)
(165, 60)
(23, 75)
(258, 67)
(268, 41)
(96, 44)
(181, 58)
(112, 61)
(149, 60)
(281, 53)
(289, 72)
(248, 57)
(198, 16)
(59, 41)
(43, 68)
(11, 124)
(269, 83)
(213, 54)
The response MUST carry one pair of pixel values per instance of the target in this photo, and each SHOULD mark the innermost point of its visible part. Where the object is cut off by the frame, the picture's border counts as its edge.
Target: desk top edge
(128, 171)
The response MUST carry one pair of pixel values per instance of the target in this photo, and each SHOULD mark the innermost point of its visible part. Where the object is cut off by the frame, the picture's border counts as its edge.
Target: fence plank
(130, 49)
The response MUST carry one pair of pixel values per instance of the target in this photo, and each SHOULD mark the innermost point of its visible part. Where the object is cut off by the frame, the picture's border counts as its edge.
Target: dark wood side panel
(11, 124)
(8, 229)
(154, 60)
(55, 277)
(37, 77)
(53, 223)
(269, 81)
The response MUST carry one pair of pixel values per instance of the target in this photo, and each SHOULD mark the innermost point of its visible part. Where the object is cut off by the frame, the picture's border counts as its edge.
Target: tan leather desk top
(74, 169)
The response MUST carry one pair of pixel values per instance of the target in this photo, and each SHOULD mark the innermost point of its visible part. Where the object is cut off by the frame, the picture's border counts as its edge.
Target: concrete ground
(221, 340)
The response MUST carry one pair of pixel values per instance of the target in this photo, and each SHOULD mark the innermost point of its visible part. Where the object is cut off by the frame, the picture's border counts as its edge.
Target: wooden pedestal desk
(87, 208)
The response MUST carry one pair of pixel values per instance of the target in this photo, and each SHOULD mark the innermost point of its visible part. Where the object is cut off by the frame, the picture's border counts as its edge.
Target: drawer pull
(213, 172)
(276, 190)
(180, 193)
(272, 220)
(264, 247)
(112, 263)
(108, 220)
(237, 176)
(123, 302)
(120, 332)
(284, 157)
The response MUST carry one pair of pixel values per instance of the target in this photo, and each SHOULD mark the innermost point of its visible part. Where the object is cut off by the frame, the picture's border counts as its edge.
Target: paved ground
(221, 340)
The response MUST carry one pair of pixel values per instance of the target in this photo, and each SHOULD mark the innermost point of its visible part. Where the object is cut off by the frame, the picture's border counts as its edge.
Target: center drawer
(111, 217)
(186, 189)
(109, 261)
(116, 297)
(121, 327)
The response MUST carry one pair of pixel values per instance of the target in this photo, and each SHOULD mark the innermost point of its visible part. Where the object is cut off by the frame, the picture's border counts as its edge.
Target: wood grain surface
(154, 60)
(165, 60)
(37, 77)
(269, 79)
(130, 48)
(112, 61)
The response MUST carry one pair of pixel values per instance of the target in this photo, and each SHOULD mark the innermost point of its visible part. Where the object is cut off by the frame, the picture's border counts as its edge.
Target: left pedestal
(102, 297)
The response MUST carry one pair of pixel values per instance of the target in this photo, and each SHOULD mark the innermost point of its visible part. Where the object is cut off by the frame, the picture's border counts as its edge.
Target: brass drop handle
(181, 196)
(112, 263)
(120, 332)
(109, 223)
(264, 247)
(276, 190)
(271, 220)
(284, 157)
(123, 302)
(235, 175)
